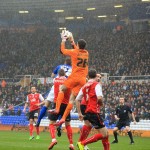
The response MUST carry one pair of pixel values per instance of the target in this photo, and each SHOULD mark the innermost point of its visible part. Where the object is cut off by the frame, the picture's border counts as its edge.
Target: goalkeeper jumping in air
(79, 59)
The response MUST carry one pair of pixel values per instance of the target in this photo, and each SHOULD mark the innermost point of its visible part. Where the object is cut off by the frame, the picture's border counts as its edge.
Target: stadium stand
(136, 93)
(118, 46)
(123, 53)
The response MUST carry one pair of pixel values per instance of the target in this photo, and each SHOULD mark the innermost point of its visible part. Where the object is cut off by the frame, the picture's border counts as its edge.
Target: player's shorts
(34, 114)
(75, 83)
(121, 124)
(95, 119)
(50, 96)
(54, 117)
(83, 108)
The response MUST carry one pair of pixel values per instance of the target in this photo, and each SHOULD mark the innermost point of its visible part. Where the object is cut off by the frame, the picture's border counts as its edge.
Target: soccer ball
(66, 34)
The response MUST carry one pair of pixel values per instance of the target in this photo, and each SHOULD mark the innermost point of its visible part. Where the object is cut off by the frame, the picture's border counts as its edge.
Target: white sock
(53, 140)
(71, 145)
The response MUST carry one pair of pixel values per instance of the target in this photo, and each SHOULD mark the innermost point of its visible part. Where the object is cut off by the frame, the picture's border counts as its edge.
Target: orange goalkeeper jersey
(79, 60)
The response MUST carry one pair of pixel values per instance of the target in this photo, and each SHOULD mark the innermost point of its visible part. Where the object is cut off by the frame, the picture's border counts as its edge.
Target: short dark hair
(61, 72)
(33, 86)
(81, 43)
(68, 61)
(92, 73)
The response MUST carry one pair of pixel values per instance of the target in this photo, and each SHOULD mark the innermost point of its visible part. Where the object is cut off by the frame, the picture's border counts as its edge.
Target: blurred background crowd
(121, 53)
(118, 43)
(136, 94)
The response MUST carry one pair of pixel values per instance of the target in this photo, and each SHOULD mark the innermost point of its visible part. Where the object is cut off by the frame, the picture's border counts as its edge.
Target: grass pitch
(12, 140)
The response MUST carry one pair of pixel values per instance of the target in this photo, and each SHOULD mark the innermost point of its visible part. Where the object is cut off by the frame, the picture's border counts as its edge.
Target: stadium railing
(129, 78)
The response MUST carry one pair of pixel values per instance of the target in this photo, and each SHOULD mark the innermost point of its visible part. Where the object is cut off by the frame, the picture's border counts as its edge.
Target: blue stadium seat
(10, 120)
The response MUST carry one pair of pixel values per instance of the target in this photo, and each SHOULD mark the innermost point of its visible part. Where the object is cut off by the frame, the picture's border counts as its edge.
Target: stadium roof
(67, 5)
(36, 9)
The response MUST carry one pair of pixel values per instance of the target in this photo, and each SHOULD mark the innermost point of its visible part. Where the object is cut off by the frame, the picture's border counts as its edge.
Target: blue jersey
(67, 69)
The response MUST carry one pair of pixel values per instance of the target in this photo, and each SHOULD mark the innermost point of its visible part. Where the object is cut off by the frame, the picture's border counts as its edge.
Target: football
(66, 34)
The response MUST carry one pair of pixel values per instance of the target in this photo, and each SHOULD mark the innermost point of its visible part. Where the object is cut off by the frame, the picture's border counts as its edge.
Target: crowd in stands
(119, 54)
(122, 53)
(13, 95)
(26, 53)
(137, 96)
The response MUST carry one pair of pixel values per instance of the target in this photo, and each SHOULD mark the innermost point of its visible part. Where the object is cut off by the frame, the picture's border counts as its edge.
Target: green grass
(12, 140)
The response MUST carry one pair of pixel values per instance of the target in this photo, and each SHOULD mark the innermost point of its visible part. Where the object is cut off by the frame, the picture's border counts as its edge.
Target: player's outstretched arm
(41, 103)
(67, 52)
(25, 106)
(78, 102)
(79, 110)
(133, 117)
(63, 40)
(65, 35)
(71, 39)
(100, 100)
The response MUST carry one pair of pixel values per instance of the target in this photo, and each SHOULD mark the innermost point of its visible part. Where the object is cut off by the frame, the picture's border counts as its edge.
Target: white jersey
(50, 96)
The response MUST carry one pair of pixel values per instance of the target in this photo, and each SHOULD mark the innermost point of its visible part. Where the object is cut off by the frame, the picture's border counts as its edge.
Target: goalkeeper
(79, 59)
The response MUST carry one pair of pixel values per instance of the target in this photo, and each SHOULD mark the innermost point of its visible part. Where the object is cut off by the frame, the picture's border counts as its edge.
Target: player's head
(121, 100)
(81, 44)
(33, 89)
(98, 77)
(92, 73)
(68, 61)
(61, 72)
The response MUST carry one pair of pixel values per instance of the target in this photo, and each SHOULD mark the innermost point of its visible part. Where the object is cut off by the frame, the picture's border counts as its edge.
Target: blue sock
(42, 114)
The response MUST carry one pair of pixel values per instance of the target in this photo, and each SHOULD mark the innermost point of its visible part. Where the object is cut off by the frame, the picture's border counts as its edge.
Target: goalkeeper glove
(64, 35)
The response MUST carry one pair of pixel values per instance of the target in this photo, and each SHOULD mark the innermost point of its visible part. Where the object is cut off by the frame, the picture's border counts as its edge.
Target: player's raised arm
(64, 36)
(71, 39)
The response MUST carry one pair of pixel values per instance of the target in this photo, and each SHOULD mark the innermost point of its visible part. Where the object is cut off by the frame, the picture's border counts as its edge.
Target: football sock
(67, 111)
(31, 129)
(130, 135)
(84, 132)
(42, 114)
(69, 134)
(59, 100)
(92, 139)
(106, 143)
(37, 131)
(115, 135)
(52, 131)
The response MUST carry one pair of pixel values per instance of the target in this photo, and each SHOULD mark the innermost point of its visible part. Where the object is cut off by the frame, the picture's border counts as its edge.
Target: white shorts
(50, 96)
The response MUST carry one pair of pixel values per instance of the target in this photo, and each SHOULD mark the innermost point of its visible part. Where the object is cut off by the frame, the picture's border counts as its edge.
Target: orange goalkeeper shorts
(75, 84)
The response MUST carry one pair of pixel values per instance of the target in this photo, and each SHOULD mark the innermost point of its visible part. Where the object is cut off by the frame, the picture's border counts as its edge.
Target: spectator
(124, 53)
(121, 54)
(3, 84)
